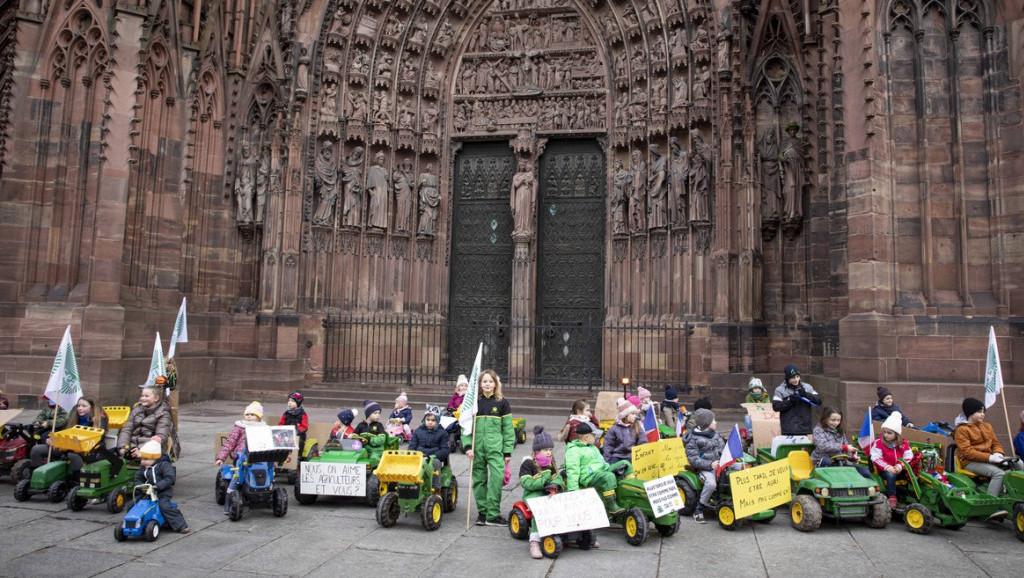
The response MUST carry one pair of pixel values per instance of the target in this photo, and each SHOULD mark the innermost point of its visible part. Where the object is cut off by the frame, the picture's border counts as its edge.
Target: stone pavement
(334, 537)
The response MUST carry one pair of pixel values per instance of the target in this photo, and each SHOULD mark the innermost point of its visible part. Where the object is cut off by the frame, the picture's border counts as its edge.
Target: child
(977, 447)
(234, 444)
(886, 406)
(756, 392)
(646, 403)
(703, 450)
(496, 439)
(586, 468)
(343, 425)
(793, 400)
(621, 437)
(829, 441)
(1018, 440)
(158, 471)
(535, 475)
(371, 420)
(670, 408)
(461, 385)
(580, 413)
(888, 450)
(432, 441)
(44, 421)
(701, 403)
(85, 415)
(402, 414)
(297, 417)
(150, 418)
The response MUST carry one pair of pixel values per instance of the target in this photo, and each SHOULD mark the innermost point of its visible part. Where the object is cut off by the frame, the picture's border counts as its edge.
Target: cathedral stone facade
(834, 183)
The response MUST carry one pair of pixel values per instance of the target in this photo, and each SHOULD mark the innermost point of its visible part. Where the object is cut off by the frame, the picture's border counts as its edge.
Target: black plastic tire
(518, 525)
(450, 495)
(372, 491)
(551, 546)
(805, 513)
(634, 526)
(236, 509)
(280, 504)
(152, 531)
(690, 497)
(58, 491)
(432, 510)
(918, 519)
(116, 501)
(666, 530)
(75, 502)
(220, 488)
(387, 510)
(21, 492)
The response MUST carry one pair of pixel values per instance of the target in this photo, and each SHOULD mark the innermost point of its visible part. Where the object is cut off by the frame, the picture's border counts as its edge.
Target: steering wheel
(844, 460)
(1009, 463)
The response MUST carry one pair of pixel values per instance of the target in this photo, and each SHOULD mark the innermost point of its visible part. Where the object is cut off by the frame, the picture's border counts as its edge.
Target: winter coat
(160, 475)
(827, 443)
(670, 413)
(296, 417)
(432, 442)
(976, 442)
(367, 428)
(1018, 444)
(493, 423)
(235, 442)
(880, 412)
(534, 478)
(455, 402)
(882, 454)
(45, 416)
(795, 413)
(619, 442)
(764, 398)
(575, 420)
(703, 448)
(404, 414)
(582, 461)
(144, 423)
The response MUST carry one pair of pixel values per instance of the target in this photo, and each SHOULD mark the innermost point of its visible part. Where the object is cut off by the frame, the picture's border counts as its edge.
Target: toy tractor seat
(800, 465)
(960, 469)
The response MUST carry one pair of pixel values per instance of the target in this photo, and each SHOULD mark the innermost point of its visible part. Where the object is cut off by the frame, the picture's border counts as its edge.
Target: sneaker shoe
(185, 530)
(535, 551)
(998, 516)
(481, 520)
(496, 521)
(698, 517)
(892, 501)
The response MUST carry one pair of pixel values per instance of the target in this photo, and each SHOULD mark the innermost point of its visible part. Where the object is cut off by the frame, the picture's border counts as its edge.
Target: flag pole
(1006, 415)
(53, 426)
(469, 499)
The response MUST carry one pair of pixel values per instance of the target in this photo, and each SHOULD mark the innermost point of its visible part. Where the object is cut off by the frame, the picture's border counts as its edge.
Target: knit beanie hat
(347, 416)
(432, 410)
(541, 438)
(297, 397)
(624, 408)
(254, 407)
(972, 406)
(583, 429)
(370, 406)
(894, 422)
(703, 418)
(754, 383)
(150, 450)
(634, 400)
(790, 371)
(462, 380)
(882, 392)
(643, 393)
(402, 398)
(670, 393)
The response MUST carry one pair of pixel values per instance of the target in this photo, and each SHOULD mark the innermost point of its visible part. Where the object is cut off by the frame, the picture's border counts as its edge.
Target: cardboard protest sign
(915, 435)
(263, 438)
(7, 415)
(568, 512)
(332, 479)
(758, 489)
(605, 408)
(663, 494)
(665, 457)
(764, 421)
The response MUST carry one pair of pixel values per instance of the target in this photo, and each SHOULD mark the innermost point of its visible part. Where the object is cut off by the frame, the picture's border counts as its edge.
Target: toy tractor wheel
(586, 540)
(805, 513)
(551, 546)
(450, 495)
(235, 507)
(373, 494)
(634, 525)
(727, 517)
(21, 490)
(518, 525)
(58, 491)
(220, 488)
(432, 511)
(75, 502)
(304, 499)
(690, 499)
(116, 501)
(387, 510)
(878, 516)
(666, 530)
(1018, 520)
(918, 519)
(521, 438)
(21, 470)
(280, 505)
(152, 531)
(119, 533)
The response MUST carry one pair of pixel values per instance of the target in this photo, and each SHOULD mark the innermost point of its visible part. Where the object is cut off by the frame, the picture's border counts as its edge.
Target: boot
(535, 550)
(610, 504)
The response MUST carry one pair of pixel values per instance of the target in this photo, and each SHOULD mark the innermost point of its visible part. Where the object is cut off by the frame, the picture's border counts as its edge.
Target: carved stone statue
(678, 179)
(325, 184)
(429, 120)
(382, 108)
(771, 183)
(524, 198)
(621, 180)
(403, 195)
(262, 182)
(378, 187)
(405, 115)
(657, 189)
(637, 204)
(792, 174)
(724, 39)
(356, 106)
(702, 84)
(680, 91)
(430, 200)
(700, 177)
(352, 182)
(245, 183)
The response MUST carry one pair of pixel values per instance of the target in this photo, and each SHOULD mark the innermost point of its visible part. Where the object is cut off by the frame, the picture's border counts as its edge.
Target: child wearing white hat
(158, 471)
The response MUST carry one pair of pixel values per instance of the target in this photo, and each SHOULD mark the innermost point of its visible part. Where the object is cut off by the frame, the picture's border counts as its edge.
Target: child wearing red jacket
(888, 450)
(297, 417)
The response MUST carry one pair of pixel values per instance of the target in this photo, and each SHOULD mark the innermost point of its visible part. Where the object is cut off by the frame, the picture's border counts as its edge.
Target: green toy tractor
(407, 483)
(363, 450)
(54, 477)
(837, 492)
(638, 514)
(690, 486)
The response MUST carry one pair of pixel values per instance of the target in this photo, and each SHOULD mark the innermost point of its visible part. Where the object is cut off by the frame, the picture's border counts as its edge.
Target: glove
(995, 458)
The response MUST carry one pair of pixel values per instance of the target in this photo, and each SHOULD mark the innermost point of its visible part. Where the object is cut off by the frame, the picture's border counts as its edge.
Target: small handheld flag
(467, 411)
(867, 432)
(993, 370)
(680, 423)
(180, 332)
(651, 426)
(157, 366)
(64, 386)
(732, 452)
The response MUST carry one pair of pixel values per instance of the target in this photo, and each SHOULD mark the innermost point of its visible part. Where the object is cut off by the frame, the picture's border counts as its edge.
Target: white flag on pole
(157, 366)
(467, 411)
(180, 332)
(64, 386)
(993, 371)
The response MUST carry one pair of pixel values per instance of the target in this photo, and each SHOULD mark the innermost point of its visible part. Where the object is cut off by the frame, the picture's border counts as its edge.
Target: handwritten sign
(758, 489)
(332, 479)
(665, 457)
(764, 421)
(568, 512)
(663, 494)
(7, 415)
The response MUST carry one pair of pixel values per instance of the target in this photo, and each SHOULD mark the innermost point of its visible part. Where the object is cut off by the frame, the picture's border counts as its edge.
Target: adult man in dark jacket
(794, 400)
(432, 440)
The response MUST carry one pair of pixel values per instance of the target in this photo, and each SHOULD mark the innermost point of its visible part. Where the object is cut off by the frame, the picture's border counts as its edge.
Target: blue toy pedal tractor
(256, 488)
(144, 519)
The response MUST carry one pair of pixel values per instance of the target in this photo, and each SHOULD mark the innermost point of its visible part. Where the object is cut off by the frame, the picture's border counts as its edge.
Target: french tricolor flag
(651, 426)
(867, 432)
(732, 452)
(679, 424)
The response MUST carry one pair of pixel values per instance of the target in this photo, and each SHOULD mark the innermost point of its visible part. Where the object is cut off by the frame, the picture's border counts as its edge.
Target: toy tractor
(519, 427)
(550, 546)
(110, 480)
(638, 514)
(54, 478)
(363, 450)
(407, 482)
(690, 486)
(18, 441)
(144, 519)
(256, 488)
